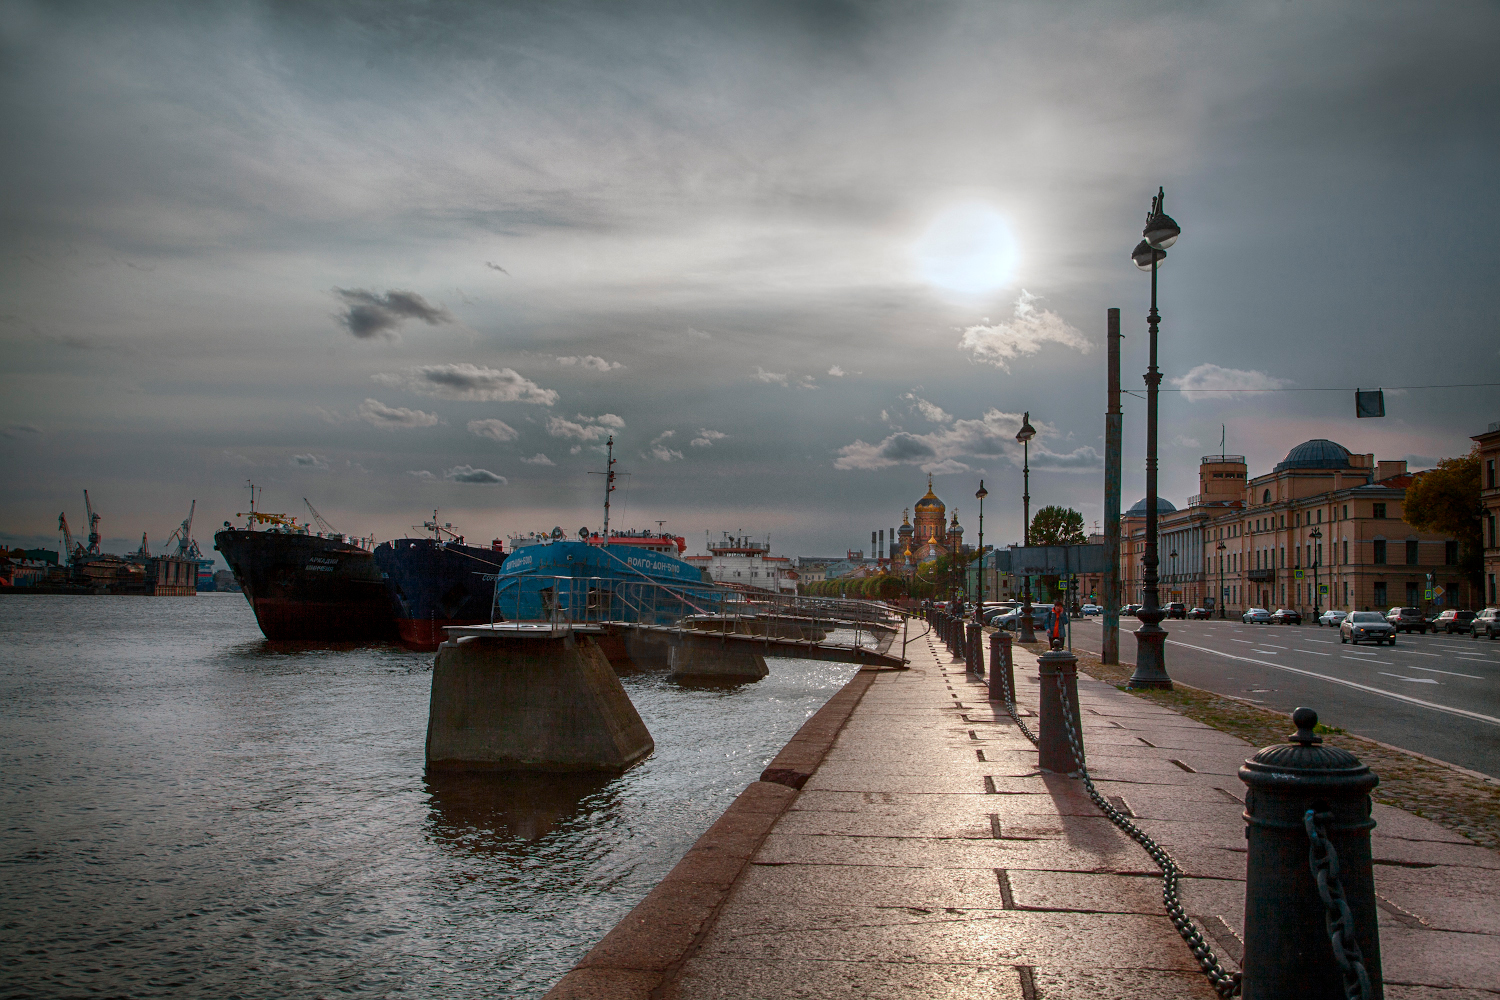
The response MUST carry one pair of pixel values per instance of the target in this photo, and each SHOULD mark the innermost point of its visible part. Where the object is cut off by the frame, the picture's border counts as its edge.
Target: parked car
(1488, 622)
(1407, 619)
(1286, 616)
(1367, 626)
(1453, 620)
(1131, 609)
(1041, 616)
(1332, 618)
(1256, 616)
(1092, 609)
(1199, 613)
(1176, 610)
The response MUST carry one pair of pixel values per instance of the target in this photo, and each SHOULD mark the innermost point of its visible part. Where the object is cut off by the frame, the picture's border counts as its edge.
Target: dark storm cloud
(371, 315)
(905, 447)
(467, 381)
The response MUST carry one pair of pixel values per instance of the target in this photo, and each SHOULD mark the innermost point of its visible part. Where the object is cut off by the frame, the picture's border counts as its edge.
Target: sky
(793, 256)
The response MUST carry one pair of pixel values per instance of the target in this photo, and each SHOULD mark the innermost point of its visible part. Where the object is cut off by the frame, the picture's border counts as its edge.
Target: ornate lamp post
(979, 606)
(1024, 435)
(1151, 639)
(1221, 548)
(1317, 536)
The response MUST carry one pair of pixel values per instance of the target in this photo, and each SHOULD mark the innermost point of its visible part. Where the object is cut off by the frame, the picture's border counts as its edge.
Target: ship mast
(609, 482)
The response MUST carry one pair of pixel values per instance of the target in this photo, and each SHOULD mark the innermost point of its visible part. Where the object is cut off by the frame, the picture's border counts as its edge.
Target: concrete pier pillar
(530, 704)
(728, 662)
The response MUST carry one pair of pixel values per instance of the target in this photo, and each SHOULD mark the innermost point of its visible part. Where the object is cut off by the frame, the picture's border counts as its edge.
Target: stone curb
(654, 939)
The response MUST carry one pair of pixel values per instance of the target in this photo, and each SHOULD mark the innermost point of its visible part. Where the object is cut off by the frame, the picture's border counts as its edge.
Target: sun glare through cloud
(968, 250)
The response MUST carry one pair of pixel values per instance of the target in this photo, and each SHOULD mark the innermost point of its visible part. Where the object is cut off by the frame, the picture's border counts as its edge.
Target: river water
(189, 810)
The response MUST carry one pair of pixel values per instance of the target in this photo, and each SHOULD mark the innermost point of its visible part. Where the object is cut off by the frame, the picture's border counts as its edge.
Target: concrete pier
(702, 660)
(530, 703)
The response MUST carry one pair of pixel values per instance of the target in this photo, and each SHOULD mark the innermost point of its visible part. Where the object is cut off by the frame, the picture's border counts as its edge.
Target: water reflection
(501, 813)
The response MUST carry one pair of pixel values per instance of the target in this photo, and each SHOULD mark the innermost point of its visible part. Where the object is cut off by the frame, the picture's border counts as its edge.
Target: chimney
(1385, 470)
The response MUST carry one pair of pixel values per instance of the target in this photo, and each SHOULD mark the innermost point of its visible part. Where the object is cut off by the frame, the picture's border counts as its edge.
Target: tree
(1445, 500)
(1058, 526)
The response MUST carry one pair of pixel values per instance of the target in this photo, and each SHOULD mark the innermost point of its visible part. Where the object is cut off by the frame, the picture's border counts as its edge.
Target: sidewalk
(925, 855)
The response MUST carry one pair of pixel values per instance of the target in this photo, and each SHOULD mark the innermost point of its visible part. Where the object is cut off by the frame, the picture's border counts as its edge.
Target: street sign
(1296, 574)
(1322, 588)
(1428, 597)
(1051, 560)
(1438, 591)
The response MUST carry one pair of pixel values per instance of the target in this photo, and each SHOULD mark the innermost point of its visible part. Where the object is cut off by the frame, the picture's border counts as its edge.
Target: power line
(1457, 385)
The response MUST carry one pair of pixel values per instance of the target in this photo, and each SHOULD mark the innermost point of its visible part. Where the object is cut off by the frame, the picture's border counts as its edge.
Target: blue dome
(1319, 453)
(1163, 506)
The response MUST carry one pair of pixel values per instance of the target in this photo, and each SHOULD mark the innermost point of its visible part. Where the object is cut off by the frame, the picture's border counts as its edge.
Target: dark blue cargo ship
(438, 581)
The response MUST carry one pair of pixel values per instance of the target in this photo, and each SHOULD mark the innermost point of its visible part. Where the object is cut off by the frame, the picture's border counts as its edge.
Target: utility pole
(1113, 433)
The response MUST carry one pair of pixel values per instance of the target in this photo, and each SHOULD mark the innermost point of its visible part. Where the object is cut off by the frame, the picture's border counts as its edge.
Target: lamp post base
(1150, 659)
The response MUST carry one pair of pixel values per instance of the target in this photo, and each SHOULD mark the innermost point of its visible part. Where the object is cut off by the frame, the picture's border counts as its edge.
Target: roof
(1319, 453)
(1163, 506)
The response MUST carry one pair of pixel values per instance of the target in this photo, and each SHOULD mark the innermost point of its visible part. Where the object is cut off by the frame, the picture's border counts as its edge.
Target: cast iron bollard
(974, 652)
(1055, 751)
(1302, 888)
(956, 638)
(1002, 673)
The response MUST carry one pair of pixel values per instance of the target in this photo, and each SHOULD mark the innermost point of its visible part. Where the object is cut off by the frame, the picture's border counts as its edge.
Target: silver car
(1258, 616)
(1331, 618)
(1367, 626)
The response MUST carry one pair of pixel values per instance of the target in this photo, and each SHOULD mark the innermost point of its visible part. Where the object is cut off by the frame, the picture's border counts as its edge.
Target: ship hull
(302, 587)
(433, 585)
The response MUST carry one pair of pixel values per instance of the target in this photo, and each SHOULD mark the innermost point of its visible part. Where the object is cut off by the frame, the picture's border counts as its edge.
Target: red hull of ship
(426, 634)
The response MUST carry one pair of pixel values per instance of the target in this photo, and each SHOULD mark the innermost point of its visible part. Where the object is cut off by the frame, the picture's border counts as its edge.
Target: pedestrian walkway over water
(906, 844)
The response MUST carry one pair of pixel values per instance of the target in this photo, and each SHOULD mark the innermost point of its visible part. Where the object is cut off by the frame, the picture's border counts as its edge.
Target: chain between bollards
(1225, 983)
(1324, 861)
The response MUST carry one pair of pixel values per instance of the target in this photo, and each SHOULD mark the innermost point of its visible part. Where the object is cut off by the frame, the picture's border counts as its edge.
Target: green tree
(1057, 526)
(1445, 500)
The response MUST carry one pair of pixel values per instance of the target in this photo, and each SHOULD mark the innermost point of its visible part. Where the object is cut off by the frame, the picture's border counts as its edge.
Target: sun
(968, 250)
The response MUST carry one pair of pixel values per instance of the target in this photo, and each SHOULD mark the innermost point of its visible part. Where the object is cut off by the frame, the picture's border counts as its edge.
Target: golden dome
(930, 503)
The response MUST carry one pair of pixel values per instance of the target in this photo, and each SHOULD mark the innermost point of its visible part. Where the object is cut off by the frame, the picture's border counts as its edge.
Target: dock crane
(318, 518)
(183, 536)
(94, 519)
(71, 549)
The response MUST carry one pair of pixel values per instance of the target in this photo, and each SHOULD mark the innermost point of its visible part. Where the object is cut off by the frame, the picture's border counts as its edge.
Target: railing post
(974, 651)
(1002, 671)
(1307, 815)
(1055, 750)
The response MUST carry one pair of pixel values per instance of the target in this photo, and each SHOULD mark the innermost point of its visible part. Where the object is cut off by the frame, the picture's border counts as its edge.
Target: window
(1266, 497)
(1346, 512)
(1379, 511)
(1492, 530)
(1411, 592)
(1346, 551)
(1380, 553)
(1450, 553)
(1283, 557)
(1320, 515)
(1381, 600)
(1411, 558)
(1489, 473)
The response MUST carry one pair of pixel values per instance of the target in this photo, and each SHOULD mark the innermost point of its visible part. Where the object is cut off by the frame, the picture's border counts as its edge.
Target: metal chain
(1010, 704)
(1324, 861)
(1225, 983)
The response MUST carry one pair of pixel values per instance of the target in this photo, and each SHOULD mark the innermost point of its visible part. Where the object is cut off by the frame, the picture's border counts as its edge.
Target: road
(1435, 694)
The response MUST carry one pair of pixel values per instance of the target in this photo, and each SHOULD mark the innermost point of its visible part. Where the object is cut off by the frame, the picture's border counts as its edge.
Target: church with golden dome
(932, 535)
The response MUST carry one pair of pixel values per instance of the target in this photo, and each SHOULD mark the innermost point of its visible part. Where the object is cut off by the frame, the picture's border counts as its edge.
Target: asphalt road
(1435, 694)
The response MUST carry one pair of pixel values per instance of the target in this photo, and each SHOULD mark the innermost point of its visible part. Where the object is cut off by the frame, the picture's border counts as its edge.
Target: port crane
(94, 520)
(71, 550)
(318, 518)
(183, 536)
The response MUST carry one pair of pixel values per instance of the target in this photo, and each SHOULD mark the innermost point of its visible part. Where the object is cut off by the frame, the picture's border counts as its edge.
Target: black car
(1486, 622)
(1407, 620)
(1176, 610)
(1453, 620)
(1200, 613)
(1285, 616)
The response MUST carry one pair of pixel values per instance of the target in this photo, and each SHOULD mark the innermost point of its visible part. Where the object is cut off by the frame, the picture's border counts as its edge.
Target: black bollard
(973, 652)
(1288, 951)
(1002, 673)
(956, 638)
(1055, 748)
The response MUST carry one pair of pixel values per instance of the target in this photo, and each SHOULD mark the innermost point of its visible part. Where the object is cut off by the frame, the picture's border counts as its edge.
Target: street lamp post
(979, 608)
(1317, 536)
(1221, 548)
(1024, 435)
(1151, 639)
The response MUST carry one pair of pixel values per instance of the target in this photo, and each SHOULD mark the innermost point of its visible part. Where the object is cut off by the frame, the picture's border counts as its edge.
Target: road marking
(1408, 699)
(1245, 641)
(1418, 652)
(1450, 673)
(1482, 659)
(1264, 652)
(1314, 652)
(1329, 641)
(1361, 652)
(1414, 680)
(1384, 663)
(1273, 645)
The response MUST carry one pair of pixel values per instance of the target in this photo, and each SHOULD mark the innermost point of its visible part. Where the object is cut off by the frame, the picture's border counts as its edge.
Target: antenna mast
(609, 481)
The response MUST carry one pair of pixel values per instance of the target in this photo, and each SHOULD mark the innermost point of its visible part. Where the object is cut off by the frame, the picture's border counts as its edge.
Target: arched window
(1266, 498)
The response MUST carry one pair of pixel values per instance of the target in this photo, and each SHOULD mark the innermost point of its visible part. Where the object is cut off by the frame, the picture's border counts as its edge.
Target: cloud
(662, 453)
(1414, 462)
(836, 372)
(699, 334)
(585, 428)
(308, 461)
(496, 267)
(575, 449)
(598, 364)
(706, 438)
(371, 315)
(373, 411)
(778, 377)
(991, 436)
(1203, 381)
(470, 382)
(806, 382)
(469, 474)
(538, 459)
(663, 436)
(422, 474)
(495, 430)
(946, 467)
(1026, 333)
(936, 414)
(1183, 441)
(17, 430)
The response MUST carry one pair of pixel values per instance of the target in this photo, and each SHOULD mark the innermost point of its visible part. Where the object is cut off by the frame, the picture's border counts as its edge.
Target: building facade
(1489, 498)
